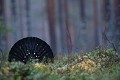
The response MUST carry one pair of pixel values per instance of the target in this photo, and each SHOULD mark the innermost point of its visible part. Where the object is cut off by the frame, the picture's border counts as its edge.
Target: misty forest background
(68, 26)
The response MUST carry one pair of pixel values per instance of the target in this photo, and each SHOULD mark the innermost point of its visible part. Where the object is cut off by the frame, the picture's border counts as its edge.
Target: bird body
(30, 48)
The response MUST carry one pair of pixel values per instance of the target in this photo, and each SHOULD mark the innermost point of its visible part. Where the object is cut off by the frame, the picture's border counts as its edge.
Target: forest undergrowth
(94, 65)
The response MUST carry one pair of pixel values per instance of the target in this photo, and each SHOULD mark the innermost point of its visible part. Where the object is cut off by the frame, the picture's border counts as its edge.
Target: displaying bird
(30, 48)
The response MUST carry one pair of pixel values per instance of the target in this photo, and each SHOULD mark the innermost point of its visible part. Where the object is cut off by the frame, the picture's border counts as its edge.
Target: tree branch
(113, 45)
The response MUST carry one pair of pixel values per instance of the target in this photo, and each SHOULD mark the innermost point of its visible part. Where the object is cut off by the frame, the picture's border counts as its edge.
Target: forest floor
(94, 65)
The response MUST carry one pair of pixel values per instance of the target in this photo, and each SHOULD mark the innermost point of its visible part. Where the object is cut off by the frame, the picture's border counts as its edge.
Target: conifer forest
(59, 39)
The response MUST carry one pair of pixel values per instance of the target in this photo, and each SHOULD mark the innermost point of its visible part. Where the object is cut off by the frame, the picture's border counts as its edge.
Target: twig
(113, 45)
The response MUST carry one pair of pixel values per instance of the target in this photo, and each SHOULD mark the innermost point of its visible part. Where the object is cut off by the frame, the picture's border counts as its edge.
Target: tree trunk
(51, 20)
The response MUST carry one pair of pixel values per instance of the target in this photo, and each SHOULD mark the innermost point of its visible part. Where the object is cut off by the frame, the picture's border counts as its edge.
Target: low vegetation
(95, 65)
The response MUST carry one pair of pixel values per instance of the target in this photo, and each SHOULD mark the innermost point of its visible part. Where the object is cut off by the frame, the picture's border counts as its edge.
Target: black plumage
(30, 48)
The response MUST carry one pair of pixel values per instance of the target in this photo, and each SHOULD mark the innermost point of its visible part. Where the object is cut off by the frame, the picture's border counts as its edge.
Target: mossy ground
(95, 65)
